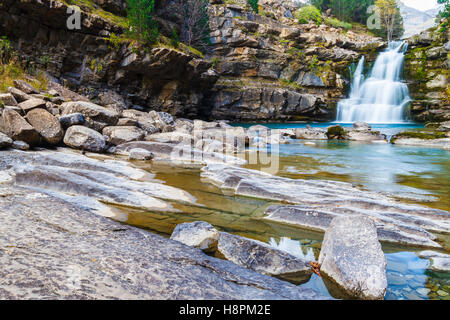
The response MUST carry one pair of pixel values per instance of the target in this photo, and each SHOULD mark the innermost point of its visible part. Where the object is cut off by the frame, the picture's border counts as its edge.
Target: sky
(422, 5)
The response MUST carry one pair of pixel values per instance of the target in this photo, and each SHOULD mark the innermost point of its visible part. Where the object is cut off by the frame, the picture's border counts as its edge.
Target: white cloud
(422, 5)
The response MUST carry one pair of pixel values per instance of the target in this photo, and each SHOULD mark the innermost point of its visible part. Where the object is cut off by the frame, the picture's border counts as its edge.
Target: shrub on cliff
(140, 16)
(6, 50)
(336, 23)
(307, 14)
(444, 15)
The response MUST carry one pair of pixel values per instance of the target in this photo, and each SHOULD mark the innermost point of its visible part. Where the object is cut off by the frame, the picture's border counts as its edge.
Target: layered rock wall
(427, 71)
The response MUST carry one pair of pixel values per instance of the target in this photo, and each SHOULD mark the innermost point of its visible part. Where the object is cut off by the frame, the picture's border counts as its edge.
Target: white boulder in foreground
(351, 256)
(197, 234)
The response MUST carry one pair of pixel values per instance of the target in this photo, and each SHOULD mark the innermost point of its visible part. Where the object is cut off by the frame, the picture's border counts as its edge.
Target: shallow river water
(412, 174)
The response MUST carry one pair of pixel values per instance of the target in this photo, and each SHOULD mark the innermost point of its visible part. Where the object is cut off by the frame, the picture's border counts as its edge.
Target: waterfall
(382, 97)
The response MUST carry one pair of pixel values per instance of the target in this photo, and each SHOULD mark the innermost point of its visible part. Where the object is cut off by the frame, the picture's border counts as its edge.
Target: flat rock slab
(352, 257)
(440, 262)
(263, 258)
(320, 201)
(54, 250)
(32, 104)
(179, 153)
(434, 143)
(64, 174)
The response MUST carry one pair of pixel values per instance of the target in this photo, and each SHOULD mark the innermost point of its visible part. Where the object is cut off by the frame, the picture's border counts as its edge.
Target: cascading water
(382, 97)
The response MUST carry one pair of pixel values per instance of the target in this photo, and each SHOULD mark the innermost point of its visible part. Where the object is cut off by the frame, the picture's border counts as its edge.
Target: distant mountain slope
(416, 21)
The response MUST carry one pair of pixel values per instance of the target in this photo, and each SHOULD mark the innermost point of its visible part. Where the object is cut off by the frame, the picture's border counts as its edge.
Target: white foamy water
(382, 97)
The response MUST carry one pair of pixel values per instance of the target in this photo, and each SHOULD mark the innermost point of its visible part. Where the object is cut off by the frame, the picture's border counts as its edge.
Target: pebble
(20, 145)
(423, 291)
(442, 293)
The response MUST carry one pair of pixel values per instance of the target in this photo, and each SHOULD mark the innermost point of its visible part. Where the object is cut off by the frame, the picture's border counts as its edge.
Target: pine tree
(140, 16)
(254, 5)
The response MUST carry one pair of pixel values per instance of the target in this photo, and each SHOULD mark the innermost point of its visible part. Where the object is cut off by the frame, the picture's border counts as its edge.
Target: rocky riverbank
(53, 250)
(32, 120)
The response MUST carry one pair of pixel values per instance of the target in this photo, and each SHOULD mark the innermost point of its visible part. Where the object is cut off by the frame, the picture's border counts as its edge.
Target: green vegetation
(174, 38)
(215, 62)
(308, 13)
(335, 131)
(254, 5)
(426, 135)
(444, 15)
(93, 8)
(140, 16)
(345, 10)
(115, 42)
(11, 70)
(336, 23)
(6, 50)
(313, 64)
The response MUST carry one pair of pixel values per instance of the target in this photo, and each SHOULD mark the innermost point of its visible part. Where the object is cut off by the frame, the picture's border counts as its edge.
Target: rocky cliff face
(270, 67)
(88, 61)
(427, 70)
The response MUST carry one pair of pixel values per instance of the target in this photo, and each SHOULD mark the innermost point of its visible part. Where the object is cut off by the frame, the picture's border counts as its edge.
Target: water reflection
(420, 175)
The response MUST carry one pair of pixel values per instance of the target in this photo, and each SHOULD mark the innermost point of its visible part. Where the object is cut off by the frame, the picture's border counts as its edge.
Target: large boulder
(310, 134)
(8, 99)
(263, 258)
(19, 95)
(17, 128)
(25, 87)
(47, 125)
(140, 154)
(72, 119)
(351, 257)
(31, 104)
(96, 116)
(79, 137)
(119, 135)
(197, 234)
(145, 122)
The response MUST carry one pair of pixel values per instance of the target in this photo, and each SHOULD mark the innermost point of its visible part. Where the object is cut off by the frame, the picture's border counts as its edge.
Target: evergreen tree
(346, 10)
(254, 5)
(140, 16)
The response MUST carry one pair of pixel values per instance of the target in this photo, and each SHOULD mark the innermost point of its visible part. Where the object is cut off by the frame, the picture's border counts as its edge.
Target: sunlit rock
(352, 257)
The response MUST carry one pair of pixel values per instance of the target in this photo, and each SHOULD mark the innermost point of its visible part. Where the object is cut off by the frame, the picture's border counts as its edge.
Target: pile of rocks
(29, 118)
